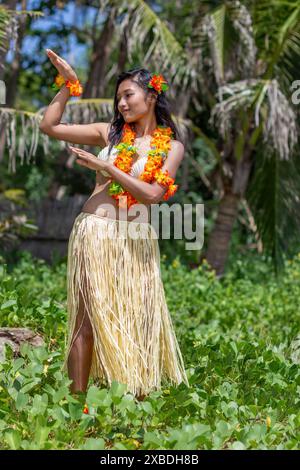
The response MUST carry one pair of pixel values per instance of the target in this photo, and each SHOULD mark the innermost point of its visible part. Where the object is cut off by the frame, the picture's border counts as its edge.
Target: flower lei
(75, 87)
(160, 144)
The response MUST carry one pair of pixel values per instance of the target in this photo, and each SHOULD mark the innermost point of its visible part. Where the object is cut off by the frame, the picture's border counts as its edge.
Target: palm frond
(273, 196)
(281, 124)
(225, 42)
(4, 26)
(246, 48)
(9, 25)
(217, 31)
(269, 103)
(165, 53)
(24, 144)
(231, 98)
(277, 28)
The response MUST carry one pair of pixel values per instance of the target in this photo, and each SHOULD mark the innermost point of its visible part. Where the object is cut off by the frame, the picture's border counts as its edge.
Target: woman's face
(131, 101)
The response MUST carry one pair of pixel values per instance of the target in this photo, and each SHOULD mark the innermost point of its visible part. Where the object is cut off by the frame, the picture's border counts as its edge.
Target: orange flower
(164, 178)
(85, 409)
(170, 191)
(158, 83)
(59, 80)
(75, 88)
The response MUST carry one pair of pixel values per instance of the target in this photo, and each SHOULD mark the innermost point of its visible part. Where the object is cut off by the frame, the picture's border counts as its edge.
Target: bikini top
(136, 169)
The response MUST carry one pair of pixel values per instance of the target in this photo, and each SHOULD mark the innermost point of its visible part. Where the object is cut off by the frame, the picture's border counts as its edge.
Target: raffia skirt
(115, 264)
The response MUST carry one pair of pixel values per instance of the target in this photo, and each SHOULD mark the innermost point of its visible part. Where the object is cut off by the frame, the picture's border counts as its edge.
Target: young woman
(119, 326)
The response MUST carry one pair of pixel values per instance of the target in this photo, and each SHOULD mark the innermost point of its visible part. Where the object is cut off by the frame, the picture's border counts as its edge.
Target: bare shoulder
(177, 148)
(174, 158)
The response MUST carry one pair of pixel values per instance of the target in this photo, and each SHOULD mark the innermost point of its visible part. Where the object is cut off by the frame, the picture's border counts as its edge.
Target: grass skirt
(134, 340)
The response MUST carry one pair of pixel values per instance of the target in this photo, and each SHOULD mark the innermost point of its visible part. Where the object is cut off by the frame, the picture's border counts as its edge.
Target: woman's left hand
(88, 159)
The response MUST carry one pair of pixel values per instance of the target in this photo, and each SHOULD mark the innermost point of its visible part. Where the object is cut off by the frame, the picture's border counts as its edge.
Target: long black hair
(141, 77)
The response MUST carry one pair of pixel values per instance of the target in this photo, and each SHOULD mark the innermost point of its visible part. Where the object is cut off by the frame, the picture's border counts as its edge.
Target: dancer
(119, 325)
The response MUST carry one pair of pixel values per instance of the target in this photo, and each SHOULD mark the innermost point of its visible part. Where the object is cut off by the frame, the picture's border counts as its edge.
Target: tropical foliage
(234, 69)
(240, 341)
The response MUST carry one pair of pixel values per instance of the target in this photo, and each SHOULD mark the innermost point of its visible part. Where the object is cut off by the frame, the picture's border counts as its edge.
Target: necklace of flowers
(160, 145)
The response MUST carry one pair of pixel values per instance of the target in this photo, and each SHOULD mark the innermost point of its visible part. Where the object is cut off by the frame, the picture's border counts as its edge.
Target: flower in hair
(158, 83)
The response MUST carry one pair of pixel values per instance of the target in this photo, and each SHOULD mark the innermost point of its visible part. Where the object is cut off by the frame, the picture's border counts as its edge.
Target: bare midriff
(102, 204)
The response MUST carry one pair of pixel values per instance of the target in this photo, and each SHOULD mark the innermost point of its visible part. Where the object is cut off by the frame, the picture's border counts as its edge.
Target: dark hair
(162, 111)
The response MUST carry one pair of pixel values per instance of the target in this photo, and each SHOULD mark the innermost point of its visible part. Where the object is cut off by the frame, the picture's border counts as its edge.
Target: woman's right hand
(62, 66)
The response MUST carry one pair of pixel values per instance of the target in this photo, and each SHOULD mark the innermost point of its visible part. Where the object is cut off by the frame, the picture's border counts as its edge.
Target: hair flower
(158, 83)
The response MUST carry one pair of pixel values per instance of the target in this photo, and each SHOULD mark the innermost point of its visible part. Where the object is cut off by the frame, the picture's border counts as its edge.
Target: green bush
(239, 337)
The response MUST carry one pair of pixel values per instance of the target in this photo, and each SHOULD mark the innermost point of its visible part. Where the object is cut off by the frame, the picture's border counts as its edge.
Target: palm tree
(12, 27)
(90, 108)
(247, 64)
(238, 67)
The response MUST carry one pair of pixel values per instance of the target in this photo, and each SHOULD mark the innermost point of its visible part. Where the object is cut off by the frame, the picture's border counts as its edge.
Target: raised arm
(86, 134)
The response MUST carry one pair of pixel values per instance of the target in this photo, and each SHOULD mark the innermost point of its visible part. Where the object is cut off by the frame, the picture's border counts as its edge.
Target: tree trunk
(95, 85)
(219, 239)
(122, 53)
(234, 190)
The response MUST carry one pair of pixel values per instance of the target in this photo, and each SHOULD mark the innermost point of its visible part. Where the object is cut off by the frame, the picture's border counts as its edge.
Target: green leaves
(93, 444)
(239, 339)
(8, 304)
(13, 439)
(98, 398)
(115, 188)
(22, 401)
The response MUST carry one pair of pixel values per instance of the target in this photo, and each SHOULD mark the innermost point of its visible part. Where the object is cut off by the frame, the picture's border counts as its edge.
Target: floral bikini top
(136, 169)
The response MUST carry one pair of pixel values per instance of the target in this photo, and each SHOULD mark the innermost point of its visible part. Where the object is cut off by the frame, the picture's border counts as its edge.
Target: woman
(119, 326)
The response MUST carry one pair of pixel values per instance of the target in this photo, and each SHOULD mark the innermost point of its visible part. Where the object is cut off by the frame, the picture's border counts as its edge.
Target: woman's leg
(80, 357)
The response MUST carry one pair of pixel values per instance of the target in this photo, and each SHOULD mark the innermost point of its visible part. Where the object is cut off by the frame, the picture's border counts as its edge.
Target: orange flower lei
(160, 143)
(75, 87)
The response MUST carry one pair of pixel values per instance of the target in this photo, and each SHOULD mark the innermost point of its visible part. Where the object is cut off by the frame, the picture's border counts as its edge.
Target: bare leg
(80, 357)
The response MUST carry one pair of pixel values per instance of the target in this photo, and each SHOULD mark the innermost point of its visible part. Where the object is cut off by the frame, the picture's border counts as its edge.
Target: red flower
(85, 409)
(158, 83)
